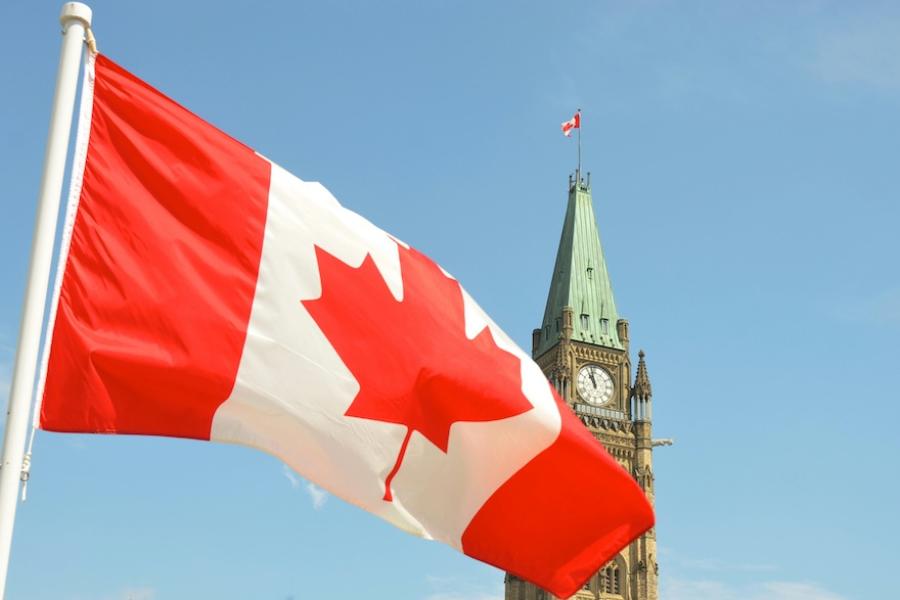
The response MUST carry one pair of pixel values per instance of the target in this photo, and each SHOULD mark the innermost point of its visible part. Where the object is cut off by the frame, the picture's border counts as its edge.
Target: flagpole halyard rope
(90, 40)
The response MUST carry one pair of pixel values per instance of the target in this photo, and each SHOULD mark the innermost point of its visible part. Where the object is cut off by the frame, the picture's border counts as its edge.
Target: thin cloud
(700, 589)
(6, 357)
(5, 380)
(711, 579)
(716, 565)
(290, 476)
(682, 563)
(863, 51)
(317, 495)
(463, 596)
(882, 308)
(452, 588)
(142, 593)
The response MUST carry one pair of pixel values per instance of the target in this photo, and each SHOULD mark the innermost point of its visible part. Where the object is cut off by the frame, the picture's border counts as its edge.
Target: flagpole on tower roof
(76, 23)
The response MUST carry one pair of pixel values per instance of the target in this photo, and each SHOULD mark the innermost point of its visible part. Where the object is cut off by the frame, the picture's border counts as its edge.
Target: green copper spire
(580, 280)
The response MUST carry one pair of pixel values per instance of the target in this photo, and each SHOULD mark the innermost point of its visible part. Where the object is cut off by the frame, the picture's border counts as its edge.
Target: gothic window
(590, 272)
(585, 321)
(557, 324)
(604, 326)
(547, 332)
(611, 579)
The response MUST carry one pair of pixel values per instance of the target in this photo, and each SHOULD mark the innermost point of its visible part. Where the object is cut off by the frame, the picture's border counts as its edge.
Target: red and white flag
(573, 123)
(207, 293)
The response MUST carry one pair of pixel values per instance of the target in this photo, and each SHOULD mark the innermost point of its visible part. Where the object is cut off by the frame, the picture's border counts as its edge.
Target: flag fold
(573, 123)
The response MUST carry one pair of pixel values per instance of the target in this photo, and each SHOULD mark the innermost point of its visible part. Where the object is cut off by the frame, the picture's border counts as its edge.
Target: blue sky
(744, 161)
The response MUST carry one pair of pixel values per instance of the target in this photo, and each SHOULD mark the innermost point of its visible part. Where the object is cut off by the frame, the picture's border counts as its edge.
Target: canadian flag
(208, 293)
(573, 123)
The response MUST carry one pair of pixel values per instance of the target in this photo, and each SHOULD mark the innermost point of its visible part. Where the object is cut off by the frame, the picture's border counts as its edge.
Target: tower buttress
(646, 569)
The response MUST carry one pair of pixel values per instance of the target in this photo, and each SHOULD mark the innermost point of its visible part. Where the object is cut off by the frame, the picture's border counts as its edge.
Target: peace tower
(583, 348)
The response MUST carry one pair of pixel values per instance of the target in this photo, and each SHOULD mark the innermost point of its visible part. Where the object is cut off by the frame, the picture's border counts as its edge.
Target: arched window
(610, 579)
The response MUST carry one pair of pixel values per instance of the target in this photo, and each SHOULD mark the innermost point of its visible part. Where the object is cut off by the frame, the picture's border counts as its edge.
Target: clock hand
(594, 381)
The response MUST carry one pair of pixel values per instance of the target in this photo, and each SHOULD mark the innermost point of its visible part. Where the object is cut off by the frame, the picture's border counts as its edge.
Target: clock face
(594, 385)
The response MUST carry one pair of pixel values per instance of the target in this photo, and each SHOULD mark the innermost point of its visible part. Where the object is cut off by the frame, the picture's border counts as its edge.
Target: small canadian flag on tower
(573, 123)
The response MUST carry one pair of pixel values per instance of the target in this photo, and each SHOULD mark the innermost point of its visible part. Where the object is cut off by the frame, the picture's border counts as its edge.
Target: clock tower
(583, 348)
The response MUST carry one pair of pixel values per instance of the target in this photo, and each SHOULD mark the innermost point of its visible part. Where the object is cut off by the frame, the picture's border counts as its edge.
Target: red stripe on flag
(546, 540)
(161, 271)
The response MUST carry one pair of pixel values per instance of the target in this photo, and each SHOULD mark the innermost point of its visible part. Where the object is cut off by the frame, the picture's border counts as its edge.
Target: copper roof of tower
(580, 279)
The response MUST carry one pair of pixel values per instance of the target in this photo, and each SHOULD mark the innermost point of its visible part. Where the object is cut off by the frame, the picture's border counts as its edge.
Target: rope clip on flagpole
(90, 40)
(75, 19)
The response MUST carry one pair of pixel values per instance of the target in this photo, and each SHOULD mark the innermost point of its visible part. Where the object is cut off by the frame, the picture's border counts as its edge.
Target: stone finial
(568, 322)
(642, 389)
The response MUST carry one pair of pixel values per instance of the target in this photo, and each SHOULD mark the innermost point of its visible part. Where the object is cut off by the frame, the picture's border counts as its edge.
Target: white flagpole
(578, 177)
(76, 21)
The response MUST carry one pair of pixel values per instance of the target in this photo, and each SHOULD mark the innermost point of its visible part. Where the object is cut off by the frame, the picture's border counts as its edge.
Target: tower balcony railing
(599, 411)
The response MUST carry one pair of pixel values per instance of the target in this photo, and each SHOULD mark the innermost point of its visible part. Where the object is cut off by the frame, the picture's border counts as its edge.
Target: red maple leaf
(412, 359)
